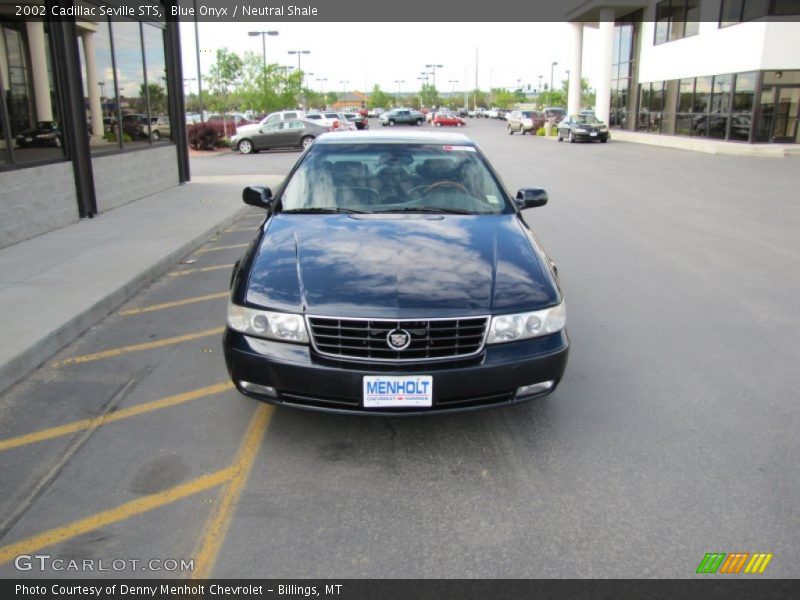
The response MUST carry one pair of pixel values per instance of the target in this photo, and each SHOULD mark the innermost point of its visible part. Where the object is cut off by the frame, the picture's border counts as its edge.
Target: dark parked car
(554, 114)
(278, 134)
(582, 128)
(46, 133)
(402, 116)
(395, 275)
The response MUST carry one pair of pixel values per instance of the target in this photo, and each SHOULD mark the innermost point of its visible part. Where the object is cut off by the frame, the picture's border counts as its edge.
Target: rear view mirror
(530, 198)
(256, 195)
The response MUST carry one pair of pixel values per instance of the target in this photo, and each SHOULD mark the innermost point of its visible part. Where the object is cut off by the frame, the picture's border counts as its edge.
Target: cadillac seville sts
(394, 274)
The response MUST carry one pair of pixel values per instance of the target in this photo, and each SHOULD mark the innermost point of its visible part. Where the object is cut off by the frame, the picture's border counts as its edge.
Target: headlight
(521, 326)
(285, 327)
(579, 130)
(603, 127)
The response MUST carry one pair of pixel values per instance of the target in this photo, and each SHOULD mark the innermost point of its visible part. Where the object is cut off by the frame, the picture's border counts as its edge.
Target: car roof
(395, 137)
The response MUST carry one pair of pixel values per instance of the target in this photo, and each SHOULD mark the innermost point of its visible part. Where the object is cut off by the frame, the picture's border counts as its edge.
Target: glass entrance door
(787, 111)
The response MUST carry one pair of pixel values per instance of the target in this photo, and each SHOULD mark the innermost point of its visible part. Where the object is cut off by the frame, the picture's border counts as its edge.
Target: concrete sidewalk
(54, 286)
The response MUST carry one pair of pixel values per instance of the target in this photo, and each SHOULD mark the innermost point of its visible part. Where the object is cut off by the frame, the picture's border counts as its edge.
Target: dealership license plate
(593, 133)
(27, 139)
(390, 392)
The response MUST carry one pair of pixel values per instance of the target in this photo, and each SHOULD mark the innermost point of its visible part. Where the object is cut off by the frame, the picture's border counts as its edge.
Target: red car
(448, 119)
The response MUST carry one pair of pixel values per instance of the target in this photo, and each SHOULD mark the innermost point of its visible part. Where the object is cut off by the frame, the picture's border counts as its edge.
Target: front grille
(366, 339)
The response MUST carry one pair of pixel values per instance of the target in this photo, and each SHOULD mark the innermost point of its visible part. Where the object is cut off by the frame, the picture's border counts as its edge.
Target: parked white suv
(283, 115)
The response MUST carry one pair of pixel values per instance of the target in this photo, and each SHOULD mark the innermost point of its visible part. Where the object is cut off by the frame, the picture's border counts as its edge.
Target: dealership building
(710, 70)
(90, 116)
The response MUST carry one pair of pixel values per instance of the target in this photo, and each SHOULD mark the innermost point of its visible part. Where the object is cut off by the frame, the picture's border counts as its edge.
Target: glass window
(4, 133)
(156, 82)
(692, 17)
(702, 94)
(662, 21)
(128, 58)
(754, 9)
(744, 92)
(763, 131)
(782, 77)
(677, 19)
(730, 12)
(392, 177)
(671, 89)
(721, 97)
(685, 99)
(31, 106)
(99, 85)
(786, 7)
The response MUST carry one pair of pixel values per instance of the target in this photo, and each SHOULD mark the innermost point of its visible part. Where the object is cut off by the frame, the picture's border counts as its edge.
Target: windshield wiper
(320, 210)
(427, 209)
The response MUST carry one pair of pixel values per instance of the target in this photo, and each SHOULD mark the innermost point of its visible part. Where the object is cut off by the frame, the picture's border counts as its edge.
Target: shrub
(203, 136)
(111, 136)
(224, 142)
(540, 132)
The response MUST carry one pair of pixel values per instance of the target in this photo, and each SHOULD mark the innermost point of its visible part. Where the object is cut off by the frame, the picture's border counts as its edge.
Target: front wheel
(560, 139)
(246, 147)
(510, 130)
(438, 124)
(391, 123)
(419, 121)
(155, 136)
(604, 140)
(306, 141)
(571, 138)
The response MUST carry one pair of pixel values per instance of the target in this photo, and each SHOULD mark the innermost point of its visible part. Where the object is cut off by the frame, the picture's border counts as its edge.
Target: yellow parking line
(125, 413)
(215, 248)
(199, 270)
(219, 521)
(114, 515)
(76, 360)
(173, 304)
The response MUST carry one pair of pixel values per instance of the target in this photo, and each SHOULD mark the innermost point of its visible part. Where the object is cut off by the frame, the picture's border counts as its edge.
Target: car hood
(399, 266)
(247, 129)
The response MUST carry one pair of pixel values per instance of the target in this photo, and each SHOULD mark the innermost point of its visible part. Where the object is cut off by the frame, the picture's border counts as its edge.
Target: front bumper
(305, 380)
(588, 137)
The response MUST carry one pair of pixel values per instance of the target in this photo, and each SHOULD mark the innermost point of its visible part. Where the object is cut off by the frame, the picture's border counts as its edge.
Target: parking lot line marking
(125, 413)
(174, 303)
(235, 229)
(114, 515)
(215, 248)
(199, 270)
(219, 521)
(77, 360)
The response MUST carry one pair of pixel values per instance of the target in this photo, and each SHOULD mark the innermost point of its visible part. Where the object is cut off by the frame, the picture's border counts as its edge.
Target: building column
(95, 108)
(39, 76)
(603, 108)
(575, 70)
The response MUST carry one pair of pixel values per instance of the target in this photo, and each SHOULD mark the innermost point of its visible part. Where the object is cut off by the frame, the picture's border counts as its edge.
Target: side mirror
(256, 195)
(530, 198)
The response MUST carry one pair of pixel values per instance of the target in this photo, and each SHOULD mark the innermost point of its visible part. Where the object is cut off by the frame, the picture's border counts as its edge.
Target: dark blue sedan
(394, 274)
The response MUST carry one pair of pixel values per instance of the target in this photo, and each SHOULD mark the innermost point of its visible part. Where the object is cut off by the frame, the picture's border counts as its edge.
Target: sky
(363, 54)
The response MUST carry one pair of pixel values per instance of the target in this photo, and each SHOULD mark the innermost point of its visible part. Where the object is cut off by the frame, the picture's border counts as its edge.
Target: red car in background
(448, 119)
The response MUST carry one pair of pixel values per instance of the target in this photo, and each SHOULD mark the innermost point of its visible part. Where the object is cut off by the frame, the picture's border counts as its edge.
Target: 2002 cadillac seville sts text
(395, 275)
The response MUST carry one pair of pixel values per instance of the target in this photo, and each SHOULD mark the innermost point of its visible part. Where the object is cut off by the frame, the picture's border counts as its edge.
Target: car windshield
(526, 114)
(586, 119)
(375, 178)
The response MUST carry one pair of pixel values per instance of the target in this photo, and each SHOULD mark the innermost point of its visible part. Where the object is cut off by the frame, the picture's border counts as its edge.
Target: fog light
(262, 390)
(535, 388)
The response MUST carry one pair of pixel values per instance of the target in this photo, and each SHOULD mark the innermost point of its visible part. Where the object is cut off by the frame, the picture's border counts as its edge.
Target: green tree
(158, 98)
(332, 98)
(378, 98)
(587, 94)
(477, 99)
(429, 96)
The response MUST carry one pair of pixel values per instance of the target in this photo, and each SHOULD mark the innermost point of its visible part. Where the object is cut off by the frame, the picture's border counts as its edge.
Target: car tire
(560, 139)
(306, 141)
(245, 147)
(604, 140)
(459, 124)
(57, 141)
(510, 130)
(419, 121)
(391, 123)
(438, 124)
(571, 138)
(155, 136)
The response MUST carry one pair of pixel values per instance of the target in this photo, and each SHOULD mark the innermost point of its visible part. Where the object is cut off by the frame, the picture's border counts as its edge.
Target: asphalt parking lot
(673, 434)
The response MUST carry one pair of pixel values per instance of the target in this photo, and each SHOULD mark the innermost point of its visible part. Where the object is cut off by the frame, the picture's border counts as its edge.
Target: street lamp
(399, 82)
(263, 35)
(344, 83)
(568, 88)
(321, 81)
(552, 66)
(299, 52)
(433, 72)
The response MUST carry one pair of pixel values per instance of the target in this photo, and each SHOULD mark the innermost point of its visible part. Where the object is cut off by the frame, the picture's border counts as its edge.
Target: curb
(36, 355)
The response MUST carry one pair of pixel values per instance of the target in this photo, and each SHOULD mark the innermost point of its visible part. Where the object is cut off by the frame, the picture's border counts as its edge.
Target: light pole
(399, 83)
(321, 81)
(568, 88)
(552, 66)
(433, 72)
(452, 83)
(263, 35)
(299, 52)
(102, 85)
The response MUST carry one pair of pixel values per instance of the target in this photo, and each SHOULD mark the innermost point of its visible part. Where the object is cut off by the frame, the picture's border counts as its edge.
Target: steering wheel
(437, 184)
